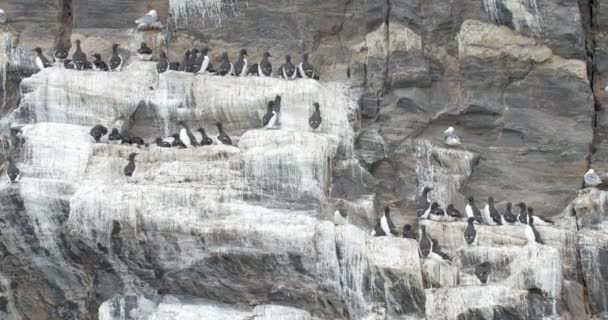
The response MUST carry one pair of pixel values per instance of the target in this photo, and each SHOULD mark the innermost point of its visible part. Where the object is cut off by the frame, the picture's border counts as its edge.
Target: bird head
(243, 52)
(407, 227)
(114, 130)
(509, 206)
(143, 45)
(78, 43)
(434, 205)
(267, 55)
(491, 200)
(37, 49)
(205, 51)
(218, 125)
(201, 130)
(288, 58)
(97, 56)
(163, 54)
(521, 205)
(132, 156)
(277, 99)
(449, 130)
(305, 57)
(158, 140)
(224, 55)
(423, 228)
(426, 190)
(115, 46)
(153, 13)
(270, 105)
(195, 52)
(175, 136)
(471, 199)
(530, 211)
(182, 123)
(471, 220)
(387, 210)
(450, 206)
(591, 171)
(316, 104)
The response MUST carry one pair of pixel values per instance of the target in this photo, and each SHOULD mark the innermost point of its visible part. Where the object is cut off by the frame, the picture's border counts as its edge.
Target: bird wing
(146, 19)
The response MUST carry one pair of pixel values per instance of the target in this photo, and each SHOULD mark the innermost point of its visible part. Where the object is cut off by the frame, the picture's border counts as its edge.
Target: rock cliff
(246, 231)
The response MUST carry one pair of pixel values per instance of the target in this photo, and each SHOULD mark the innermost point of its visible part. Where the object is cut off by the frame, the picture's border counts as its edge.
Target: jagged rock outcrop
(245, 231)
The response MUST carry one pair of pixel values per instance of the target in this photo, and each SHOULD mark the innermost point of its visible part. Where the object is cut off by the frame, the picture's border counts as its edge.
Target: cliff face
(246, 232)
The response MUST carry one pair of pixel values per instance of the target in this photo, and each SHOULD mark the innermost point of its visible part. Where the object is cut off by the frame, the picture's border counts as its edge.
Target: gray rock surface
(245, 232)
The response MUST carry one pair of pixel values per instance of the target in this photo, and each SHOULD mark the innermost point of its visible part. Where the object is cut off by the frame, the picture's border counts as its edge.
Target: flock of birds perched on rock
(195, 61)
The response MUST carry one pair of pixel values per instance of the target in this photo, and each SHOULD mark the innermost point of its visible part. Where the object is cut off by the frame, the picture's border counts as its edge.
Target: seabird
(137, 141)
(305, 69)
(226, 67)
(87, 65)
(162, 65)
(425, 244)
(98, 64)
(453, 212)
(482, 271)
(185, 62)
(423, 204)
(126, 139)
(177, 142)
(116, 60)
(193, 58)
(592, 179)
(386, 223)
(451, 139)
(203, 61)
(13, 173)
(61, 53)
(79, 58)
(41, 61)
(144, 53)
(315, 119)
(222, 136)
(507, 217)
(115, 137)
(2, 16)
(532, 234)
(490, 214)
(472, 211)
(437, 214)
(265, 67)
(270, 118)
(340, 217)
(68, 64)
(149, 20)
(408, 232)
(205, 140)
(522, 217)
(130, 168)
(240, 66)
(174, 66)
(98, 131)
(163, 144)
(470, 234)
(539, 220)
(377, 230)
(186, 136)
(288, 69)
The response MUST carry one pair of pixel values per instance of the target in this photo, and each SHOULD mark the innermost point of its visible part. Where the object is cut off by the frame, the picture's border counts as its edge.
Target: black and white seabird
(222, 136)
(423, 204)
(205, 140)
(315, 119)
(138, 141)
(202, 62)
(305, 69)
(162, 65)
(186, 136)
(437, 214)
(340, 217)
(174, 66)
(194, 55)
(386, 223)
(177, 142)
(288, 70)
(453, 212)
(539, 220)
(61, 53)
(226, 67)
(532, 234)
(126, 139)
(162, 144)
(482, 271)
(270, 118)
(130, 168)
(185, 65)
(149, 20)
(507, 217)
(144, 53)
(522, 217)
(98, 131)
(115, 137)
(68, 64)
(377, 230)
(41, 61)
(425, 244)
(13, 173)
(79, 58)
(240, 66)
(470, 234)
(98, 64)
(472, 211)
(265, 67)
(116, 61)
(490, 214)
(450, 138)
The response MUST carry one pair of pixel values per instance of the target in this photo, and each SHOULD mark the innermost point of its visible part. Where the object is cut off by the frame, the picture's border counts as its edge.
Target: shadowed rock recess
(247, 231)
